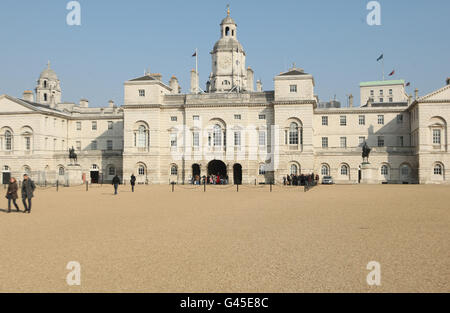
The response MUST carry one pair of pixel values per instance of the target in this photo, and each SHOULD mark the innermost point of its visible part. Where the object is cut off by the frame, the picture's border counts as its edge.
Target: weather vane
(228, 9)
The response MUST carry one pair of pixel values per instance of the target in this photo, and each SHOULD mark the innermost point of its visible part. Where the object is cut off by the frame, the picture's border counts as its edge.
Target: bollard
(270, 186)
(255, 182)
(204, 186)
(173, 186)
(87, 185)
(57, 185)
(237, 187)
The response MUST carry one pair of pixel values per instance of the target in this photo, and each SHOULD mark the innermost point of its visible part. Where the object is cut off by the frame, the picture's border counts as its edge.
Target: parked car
(327, 180)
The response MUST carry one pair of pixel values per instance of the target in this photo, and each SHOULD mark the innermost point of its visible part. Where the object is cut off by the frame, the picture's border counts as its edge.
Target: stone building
(233, 129)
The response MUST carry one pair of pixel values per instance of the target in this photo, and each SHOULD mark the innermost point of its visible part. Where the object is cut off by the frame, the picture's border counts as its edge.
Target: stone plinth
(368, 174)
(74, 175)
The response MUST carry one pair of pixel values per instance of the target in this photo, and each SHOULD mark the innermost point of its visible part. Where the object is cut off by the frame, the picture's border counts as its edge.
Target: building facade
(232, 129)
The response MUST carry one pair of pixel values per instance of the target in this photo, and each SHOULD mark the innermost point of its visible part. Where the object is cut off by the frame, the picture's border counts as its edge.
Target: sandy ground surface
(223, 241)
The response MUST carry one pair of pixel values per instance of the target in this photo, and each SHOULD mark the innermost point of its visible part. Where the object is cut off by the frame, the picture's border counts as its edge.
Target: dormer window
(293, 88)
(141, 93)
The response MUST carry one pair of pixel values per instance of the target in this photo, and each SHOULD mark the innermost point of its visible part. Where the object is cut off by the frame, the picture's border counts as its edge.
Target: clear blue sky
(119, 39)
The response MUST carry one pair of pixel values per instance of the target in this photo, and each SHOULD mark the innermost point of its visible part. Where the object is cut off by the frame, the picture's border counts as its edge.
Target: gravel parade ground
(221, 240)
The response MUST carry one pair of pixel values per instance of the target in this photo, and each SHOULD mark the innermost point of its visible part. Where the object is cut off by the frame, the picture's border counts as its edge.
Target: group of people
(300, 180)
(27, 190)
(210, 180)
(116, 183)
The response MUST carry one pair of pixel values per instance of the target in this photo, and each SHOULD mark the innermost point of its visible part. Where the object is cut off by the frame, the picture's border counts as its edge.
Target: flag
(195, 54)
(408, 84)
(380, 58)
(392, 73)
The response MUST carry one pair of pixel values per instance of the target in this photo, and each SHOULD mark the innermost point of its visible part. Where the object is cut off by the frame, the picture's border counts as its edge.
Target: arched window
(174, 170)
(45, 97)
(8, 141)
(294, 169)
(438, 169)
(385, 170)
(142, 137)
(61, 171)
(404, 171)
(141, 170)
(27, 170)
(217, 135)
(344, 170)
(325, 170)
(6, 168)
(45, 84)
(227, 31)
(293, 134)
(262, 169)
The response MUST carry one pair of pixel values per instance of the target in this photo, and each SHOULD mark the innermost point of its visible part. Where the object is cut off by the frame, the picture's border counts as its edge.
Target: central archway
(217, 167)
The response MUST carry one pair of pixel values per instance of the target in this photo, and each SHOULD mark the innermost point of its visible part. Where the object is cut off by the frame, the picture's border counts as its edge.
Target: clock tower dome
(228, 60)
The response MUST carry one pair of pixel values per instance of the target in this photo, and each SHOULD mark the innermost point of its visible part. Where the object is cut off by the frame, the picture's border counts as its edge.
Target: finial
(228, 9)
(48, 64)
(294, 65)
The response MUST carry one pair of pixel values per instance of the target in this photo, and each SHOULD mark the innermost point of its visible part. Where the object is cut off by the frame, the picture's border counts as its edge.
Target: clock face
(225, 63)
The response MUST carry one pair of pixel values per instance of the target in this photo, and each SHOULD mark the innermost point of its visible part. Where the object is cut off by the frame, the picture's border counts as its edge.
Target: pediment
(11, 105)
(438, 95)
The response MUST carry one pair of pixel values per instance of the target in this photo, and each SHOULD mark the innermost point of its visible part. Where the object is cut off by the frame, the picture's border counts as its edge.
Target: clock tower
(228, 60)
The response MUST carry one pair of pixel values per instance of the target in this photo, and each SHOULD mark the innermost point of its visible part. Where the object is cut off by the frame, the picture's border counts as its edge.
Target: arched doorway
(196, 170)
(237, 174)
(217, 167)
(95, 174)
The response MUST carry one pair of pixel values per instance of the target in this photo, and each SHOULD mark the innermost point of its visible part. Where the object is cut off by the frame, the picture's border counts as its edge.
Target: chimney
(194, 82)
(350, 101)
(259, 86)
(84, 103)
(250, 79)
(111, 104)
(28, 96)
(173, 83)
(369, 102)
(416, 93)
(156, 76)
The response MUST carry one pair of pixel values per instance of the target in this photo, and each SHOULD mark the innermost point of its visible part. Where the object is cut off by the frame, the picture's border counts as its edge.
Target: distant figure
(132, 182)
(11, 194)
(116, 182)
(28, 188)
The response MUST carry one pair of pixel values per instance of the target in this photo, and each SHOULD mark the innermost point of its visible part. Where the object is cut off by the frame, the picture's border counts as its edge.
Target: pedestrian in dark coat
(132, 182)
(116, 182)
(28, 188)
(11, 194)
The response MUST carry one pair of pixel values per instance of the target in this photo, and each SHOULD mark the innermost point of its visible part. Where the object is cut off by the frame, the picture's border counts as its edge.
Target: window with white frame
(385, 170)
(325, 170)
(380, 119)
(324, 120)
(343, 141)
(8, 140)
(381, 100)
(343, 120)
(390, 92)
(294, 169)
(61, 171)
(174, 118)
(380, 141)
(141, 93)
(112, 171)
(237, 138)
(93, 145)
(262, 138)
(141, 135)
(404, 171)
(391, 99)
(293, 88)
(262, 169)
(437, 169)
(381, 92)
(196, 117)
(372, 93)
(141, 170)
(174, 170)
(400, 119)
(78, 125)
(110, 125)
(217, 135)
(94, 125)
(109, 145)
(262, 116)
(173, 140)
(436, 136)
(27, 143)
(237, 116)
(293, 134)
(196, 139)
(324, 142)
(344, 170)
(362, 120)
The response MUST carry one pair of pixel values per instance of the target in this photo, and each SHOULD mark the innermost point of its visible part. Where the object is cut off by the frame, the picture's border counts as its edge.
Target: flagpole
(382, 66)
(196, 69)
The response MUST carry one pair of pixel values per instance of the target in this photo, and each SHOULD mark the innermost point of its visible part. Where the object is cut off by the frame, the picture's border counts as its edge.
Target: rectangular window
(196, 139)
(324, 142)
(77, 145)
(262, 138)
(237, 139)
(436, 136)
(173, 140)
(390, 92)
(27, 143)
(400, 119)
(174, 118)
(109, 145)
(94, 125)
(380, 141)
(343, 120)
(381, 100)
(372, 93)
(293, 88)
(196, 118)
(324, 120)
(400, 141)
(237, 116)
(381, 92)
(380, 119)
(361, 140)
(78, 125)
(54, 144)
(110, 125)
(141, 93)
(343, 142)
(362, 120)
(94, 145)
(391, 100)
(262, 116)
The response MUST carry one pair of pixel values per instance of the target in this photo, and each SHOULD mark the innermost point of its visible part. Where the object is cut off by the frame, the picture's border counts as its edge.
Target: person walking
(116, 182)
(11, 194)
(28, 188)
(133, 182)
